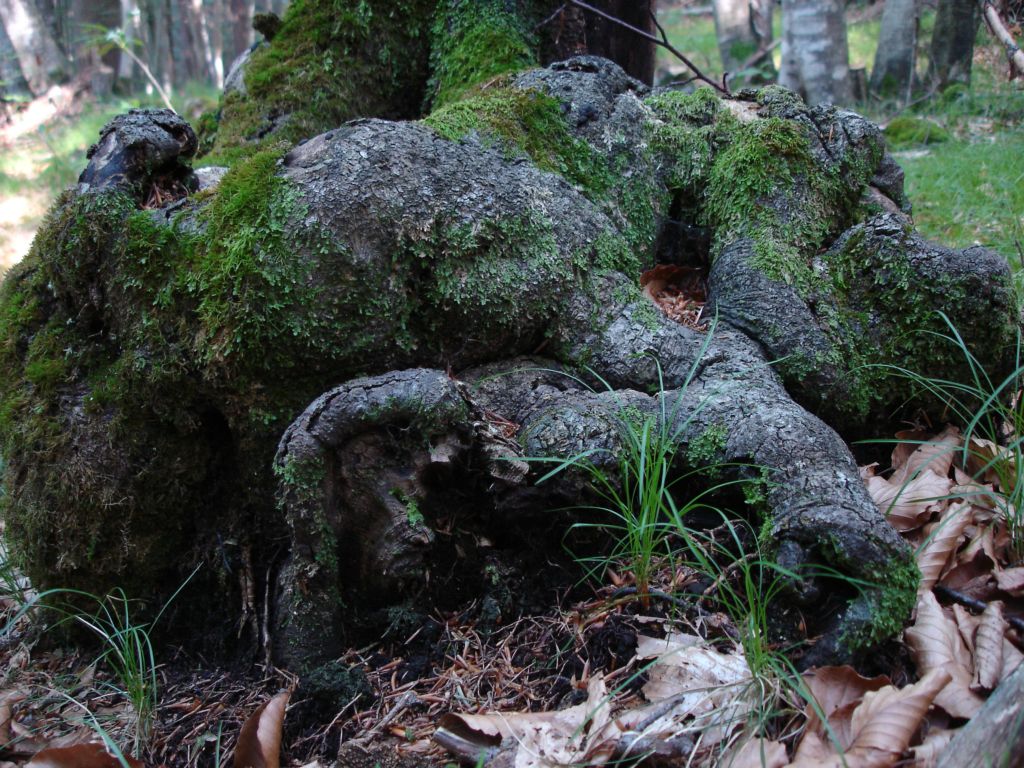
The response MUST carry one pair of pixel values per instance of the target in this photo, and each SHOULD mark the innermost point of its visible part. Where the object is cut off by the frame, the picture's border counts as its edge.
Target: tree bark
(12, 81)
(216, 32)
(130, 18)
(952, 47)
(241, 28)
(815, 62)
(605, 38)
(41, 60)
(893, 72)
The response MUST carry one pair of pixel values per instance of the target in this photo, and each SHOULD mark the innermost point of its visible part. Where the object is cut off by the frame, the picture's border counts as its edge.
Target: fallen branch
(1002, 34)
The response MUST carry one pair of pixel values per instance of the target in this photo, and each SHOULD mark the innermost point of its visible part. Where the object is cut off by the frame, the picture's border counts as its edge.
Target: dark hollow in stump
(371, 293)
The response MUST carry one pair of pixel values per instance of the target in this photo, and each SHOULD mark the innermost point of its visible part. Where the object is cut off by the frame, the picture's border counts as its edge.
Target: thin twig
(662, 41)
(974, 604)
(552, 17)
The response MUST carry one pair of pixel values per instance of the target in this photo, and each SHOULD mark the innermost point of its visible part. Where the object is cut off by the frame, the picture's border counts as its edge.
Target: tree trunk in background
(158, 44)
(956, 24)
(815, 62)
(186, 66)
(215, 14)
(605, 38)
(130, 26)
(12, 81)
(893, 72)
(41, 60)
(199, 39)
(761, 12)
(735, 33)
(88, 22)
(241, 27)
(743, 29)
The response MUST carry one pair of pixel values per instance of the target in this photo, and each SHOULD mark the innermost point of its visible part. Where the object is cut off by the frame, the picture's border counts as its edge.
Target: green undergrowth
(905, 131)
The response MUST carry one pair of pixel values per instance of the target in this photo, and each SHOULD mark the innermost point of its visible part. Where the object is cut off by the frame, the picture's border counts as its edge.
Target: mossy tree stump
(294, 373)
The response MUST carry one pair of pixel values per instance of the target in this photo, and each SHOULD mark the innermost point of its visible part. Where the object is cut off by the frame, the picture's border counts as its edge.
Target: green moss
(526, 122)
(891, 602)
(689, 131)
(74, 509)
(302, 484)
(708, 446)
(413, 513)
(330, 61)
(475, 41)
(763, 157)
(906, 131)
(477, 274)
(875, 284)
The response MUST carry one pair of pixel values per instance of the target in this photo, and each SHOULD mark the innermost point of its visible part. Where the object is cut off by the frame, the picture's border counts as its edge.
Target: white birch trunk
(41, 60)
(815, 62)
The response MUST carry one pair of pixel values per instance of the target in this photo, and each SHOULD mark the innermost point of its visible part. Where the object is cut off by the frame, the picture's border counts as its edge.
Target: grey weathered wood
(994, 736)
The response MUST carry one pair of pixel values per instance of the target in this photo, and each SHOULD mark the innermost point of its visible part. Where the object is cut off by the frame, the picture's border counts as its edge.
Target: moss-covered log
(153, 358)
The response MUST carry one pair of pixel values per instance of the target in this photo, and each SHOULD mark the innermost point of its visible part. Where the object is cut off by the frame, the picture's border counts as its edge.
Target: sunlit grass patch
(970, 191)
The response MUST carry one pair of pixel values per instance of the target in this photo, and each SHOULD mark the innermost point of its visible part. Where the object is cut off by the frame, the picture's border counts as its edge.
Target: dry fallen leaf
(1011, 580)
(935, 644)
(259, 741)
(927, 753)
(942, 542)
(757, 753)
(988, 648)
(889, 717)
(983, 460)
(882, 727)
(91, 755)
(540, 738)
(835, 689)
(935, 455)
(907, 504)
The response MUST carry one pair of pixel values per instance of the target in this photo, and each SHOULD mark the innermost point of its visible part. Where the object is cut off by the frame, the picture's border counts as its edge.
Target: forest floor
(600, 657)
(599, 677)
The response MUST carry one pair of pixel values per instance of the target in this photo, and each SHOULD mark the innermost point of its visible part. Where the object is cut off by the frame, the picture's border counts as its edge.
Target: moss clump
(907, 131)
(707, 446)
(763, 158)
(526, 122)
(475, 41)
(94, 464)
(245, 276)
(330, 61)
(877, 285)
(478, 275)
(690, 130)
(890, 604)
